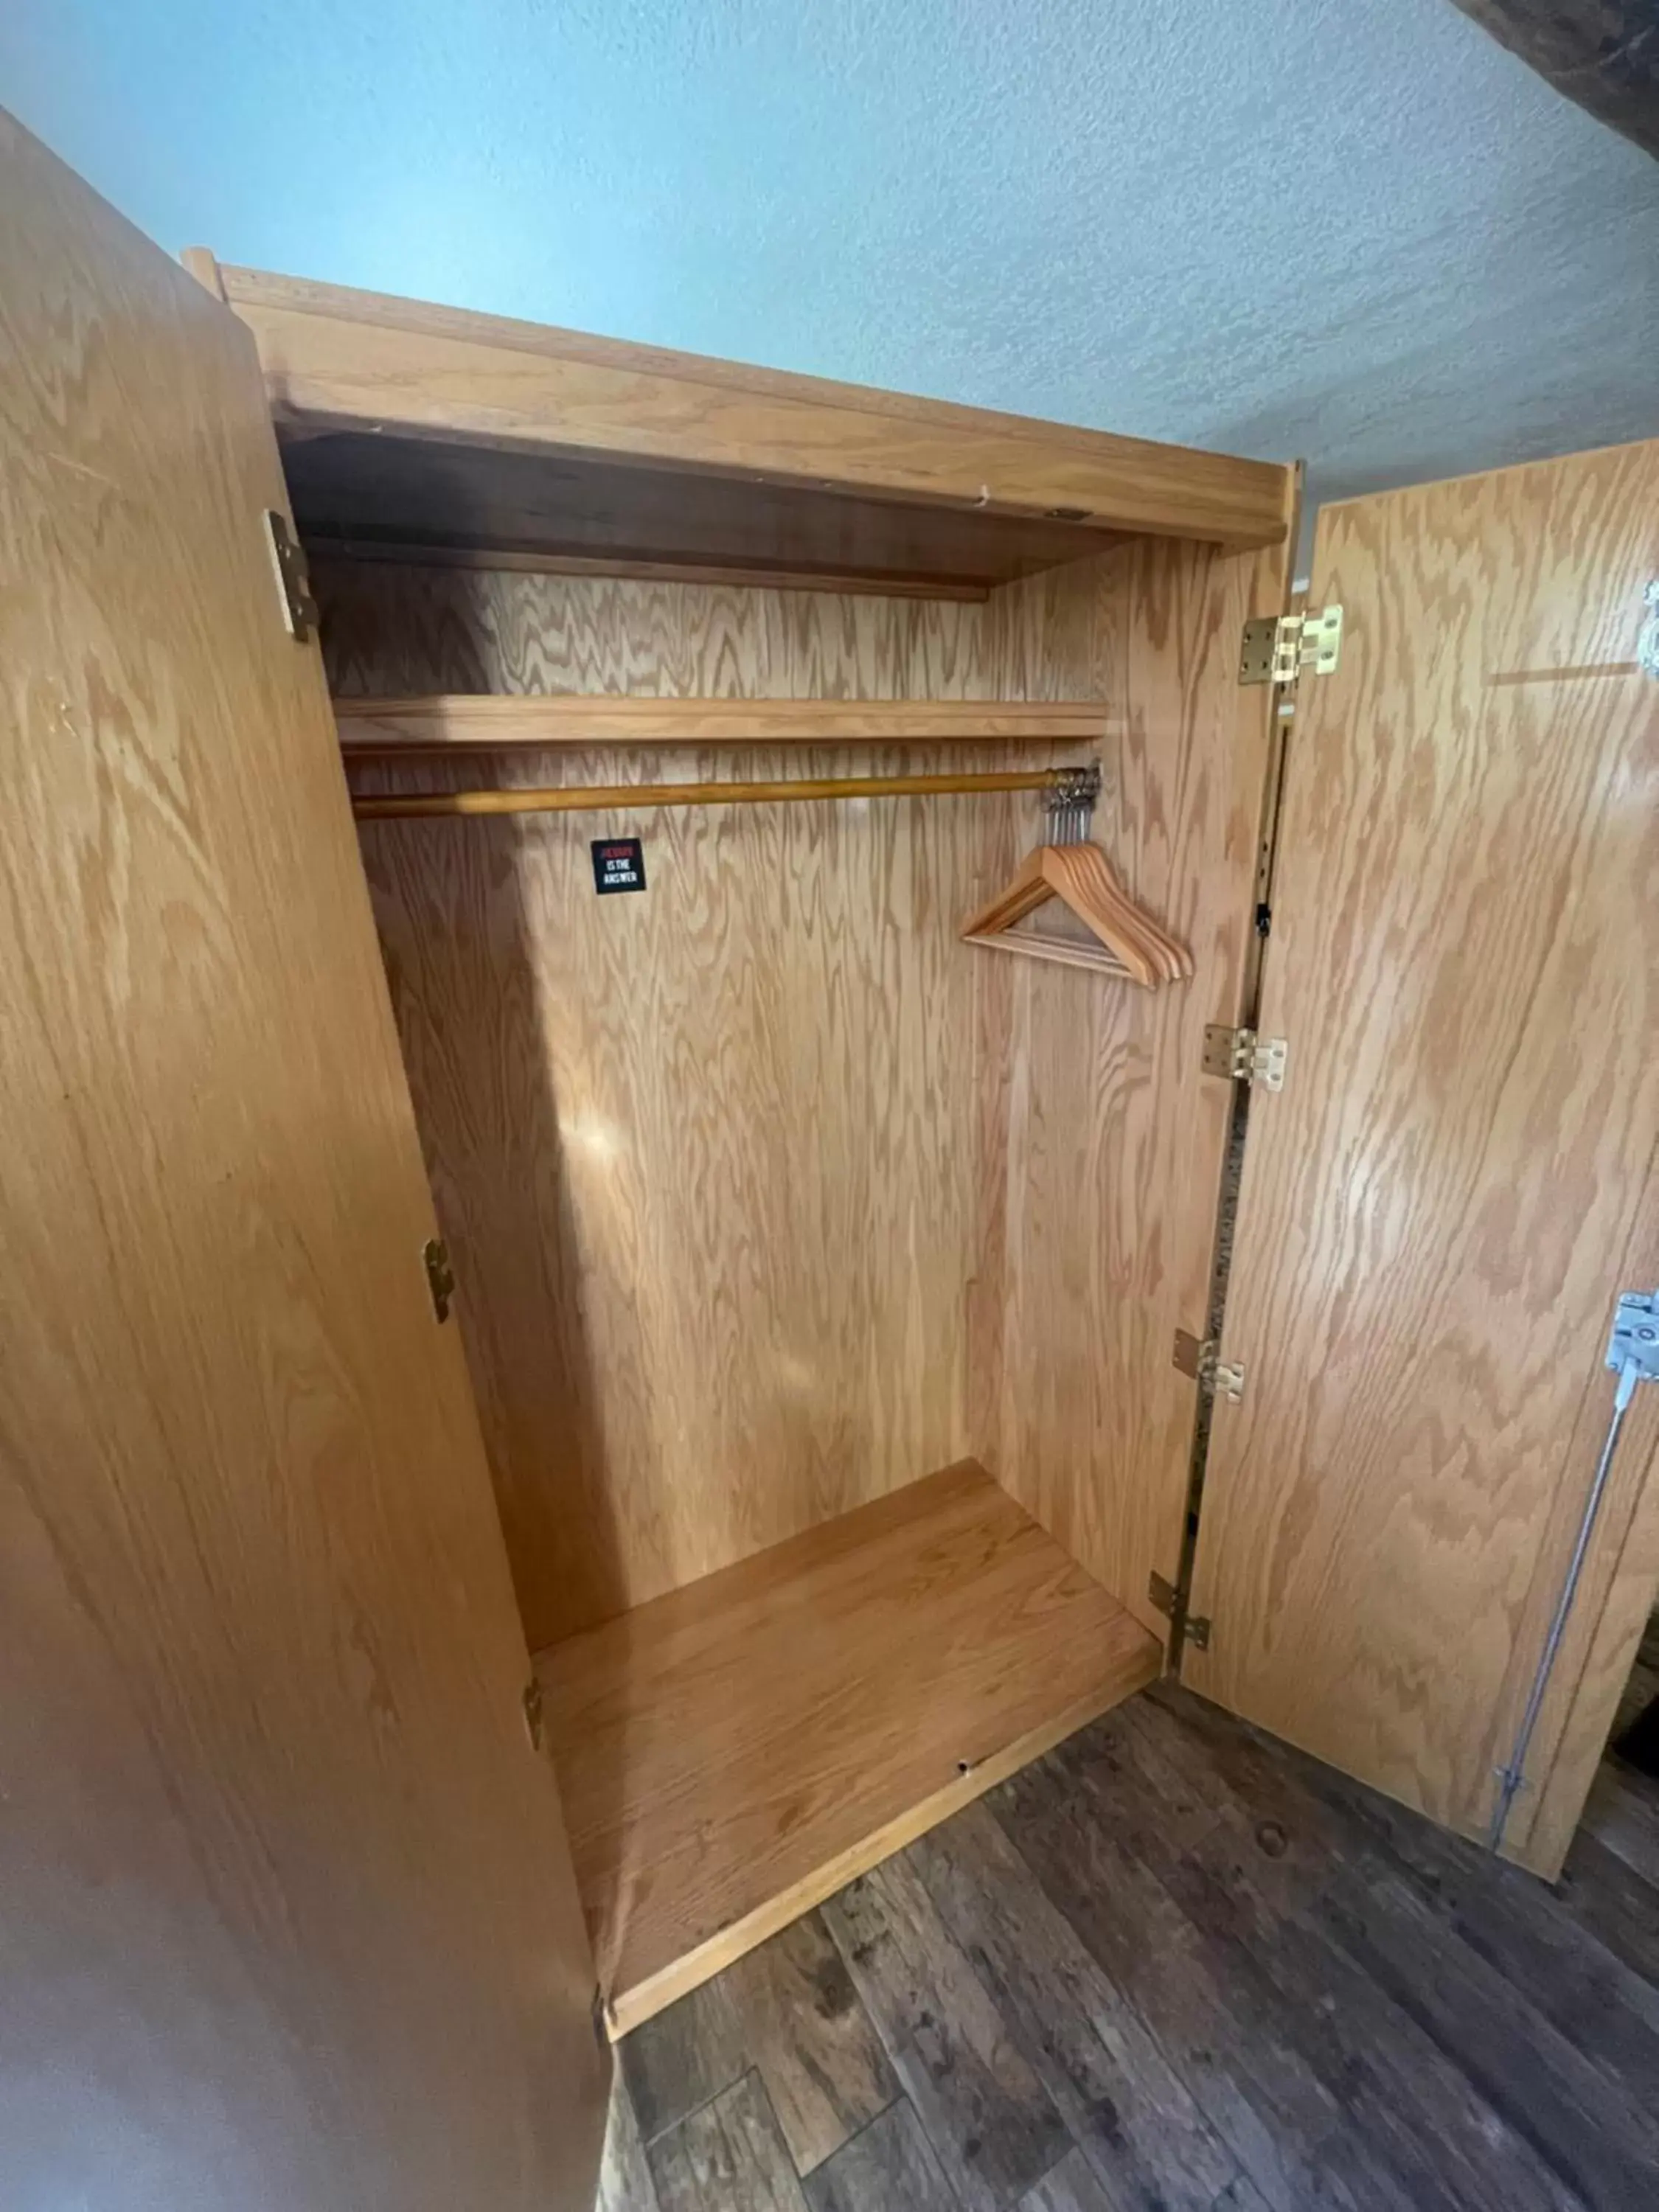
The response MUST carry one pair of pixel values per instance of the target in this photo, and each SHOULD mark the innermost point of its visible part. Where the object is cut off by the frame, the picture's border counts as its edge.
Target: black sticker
(618, 864)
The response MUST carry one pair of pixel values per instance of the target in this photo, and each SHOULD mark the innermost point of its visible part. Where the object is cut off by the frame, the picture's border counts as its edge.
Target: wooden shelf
(427, 426)
(491, 722)
(732, 1752)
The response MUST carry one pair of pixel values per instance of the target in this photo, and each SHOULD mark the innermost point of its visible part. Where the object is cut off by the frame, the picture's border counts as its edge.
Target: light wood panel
(386, 725)
(289, 1914)
(705, 1156)
(333, 545)
(740, 1749)
(343, 359)
(392, 632)
(1102, 1141)
(1441, 1205)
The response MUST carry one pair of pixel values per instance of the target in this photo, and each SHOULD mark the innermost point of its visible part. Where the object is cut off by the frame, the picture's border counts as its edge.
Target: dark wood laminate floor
(1176, 1967)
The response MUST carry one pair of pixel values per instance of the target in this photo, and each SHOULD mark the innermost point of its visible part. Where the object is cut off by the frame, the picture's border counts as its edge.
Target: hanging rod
(584, 798)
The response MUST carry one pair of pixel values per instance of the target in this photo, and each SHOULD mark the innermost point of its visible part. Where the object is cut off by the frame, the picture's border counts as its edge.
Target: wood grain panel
(347, 360)
(1441, 1205)
(1101, 1140)
(329, 545)
(735, 1752)
(392, 633)
(706, 1157)
(289, 1913)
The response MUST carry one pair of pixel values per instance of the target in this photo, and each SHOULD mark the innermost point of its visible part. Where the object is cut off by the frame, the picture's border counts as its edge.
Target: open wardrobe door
(289, 1921)
(1456, 1181)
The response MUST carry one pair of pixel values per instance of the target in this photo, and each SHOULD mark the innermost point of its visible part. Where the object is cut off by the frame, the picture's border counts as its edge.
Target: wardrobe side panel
(706, 1157)
(1101, 1139)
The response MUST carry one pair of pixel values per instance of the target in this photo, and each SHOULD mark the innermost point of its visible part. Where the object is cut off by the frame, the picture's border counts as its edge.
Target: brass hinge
(440, 1275)
(1185, 1627)
(1194, 1357)
(535, 1720)
(1278, 648)
(288, 559)
(1163, 1595)
(1243, 1057)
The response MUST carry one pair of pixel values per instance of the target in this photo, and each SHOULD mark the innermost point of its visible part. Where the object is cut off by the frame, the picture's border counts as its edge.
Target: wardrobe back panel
(706, 1157)
(1102, 1140)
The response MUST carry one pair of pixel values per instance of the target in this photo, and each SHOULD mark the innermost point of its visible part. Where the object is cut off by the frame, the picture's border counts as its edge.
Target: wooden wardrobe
(544, 1430)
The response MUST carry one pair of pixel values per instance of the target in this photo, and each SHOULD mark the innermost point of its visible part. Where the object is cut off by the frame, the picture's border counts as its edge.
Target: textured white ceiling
(1351, 229)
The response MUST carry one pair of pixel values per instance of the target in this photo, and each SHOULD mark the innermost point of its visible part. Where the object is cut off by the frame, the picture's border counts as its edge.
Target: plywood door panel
(289, 1920)
(1102, 1140)
(1440, 1207)
(704, 1156)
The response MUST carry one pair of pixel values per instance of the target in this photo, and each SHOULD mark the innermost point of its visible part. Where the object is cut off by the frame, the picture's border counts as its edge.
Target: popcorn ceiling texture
(1352, 229)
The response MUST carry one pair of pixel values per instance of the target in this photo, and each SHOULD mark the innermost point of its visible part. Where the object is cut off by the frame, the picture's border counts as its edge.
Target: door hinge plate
(1243, 1057)
(293, 572)
(440, 1275)
(1185, 1627)
(1194, 1357)
(1278, 648)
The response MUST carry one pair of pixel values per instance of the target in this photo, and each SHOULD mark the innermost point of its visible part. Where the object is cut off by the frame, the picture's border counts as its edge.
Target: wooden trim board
(484, 721)
(345, 360)
(734, 1751)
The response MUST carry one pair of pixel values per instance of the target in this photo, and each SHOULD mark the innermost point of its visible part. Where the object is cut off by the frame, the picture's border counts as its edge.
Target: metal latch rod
(1633, 1355)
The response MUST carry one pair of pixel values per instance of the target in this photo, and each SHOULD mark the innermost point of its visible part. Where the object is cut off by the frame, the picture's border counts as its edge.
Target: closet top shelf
(433, 431)
(463, 722)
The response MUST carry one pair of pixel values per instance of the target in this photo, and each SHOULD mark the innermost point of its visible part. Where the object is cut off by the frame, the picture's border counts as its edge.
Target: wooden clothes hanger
(1129, 942)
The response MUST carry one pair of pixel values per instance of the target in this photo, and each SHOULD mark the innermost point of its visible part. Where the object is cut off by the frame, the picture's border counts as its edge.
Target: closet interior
(819, 1275)
(652, 1002)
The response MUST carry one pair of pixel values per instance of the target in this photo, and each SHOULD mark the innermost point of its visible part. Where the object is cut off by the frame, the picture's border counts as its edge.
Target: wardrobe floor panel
(734, 1751)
